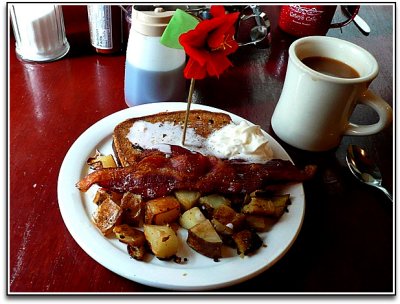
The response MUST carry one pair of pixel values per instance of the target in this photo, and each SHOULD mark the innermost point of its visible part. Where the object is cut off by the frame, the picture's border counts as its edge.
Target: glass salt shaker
(39, 32)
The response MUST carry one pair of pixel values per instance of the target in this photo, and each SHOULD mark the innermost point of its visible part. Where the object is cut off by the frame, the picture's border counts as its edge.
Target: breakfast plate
(199, 272)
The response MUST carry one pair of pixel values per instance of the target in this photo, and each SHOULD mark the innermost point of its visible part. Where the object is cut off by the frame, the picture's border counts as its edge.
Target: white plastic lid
(151, 23)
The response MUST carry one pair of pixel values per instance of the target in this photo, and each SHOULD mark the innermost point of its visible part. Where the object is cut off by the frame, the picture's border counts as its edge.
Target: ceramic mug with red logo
(310, 20)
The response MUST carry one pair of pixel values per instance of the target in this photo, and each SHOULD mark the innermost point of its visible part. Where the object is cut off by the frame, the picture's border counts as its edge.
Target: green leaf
(180, 23)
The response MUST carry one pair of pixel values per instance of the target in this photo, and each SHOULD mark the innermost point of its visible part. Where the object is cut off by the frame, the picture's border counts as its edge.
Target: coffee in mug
(325, 79)
(331, 67)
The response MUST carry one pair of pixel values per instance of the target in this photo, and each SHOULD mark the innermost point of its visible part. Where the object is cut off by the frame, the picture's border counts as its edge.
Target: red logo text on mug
(309, 20)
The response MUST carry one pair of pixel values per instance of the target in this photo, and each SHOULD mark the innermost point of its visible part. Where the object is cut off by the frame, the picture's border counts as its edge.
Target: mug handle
(346, 22)
(384, 111)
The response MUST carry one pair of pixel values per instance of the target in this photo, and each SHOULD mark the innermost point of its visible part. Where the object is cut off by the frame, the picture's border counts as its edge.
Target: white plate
(199, 273)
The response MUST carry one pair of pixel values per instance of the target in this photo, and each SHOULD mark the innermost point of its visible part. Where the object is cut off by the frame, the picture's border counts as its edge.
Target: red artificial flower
(209, 44)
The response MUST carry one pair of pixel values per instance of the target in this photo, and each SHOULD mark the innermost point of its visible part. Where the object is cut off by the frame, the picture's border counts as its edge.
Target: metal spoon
(364, 169)
(358, 21)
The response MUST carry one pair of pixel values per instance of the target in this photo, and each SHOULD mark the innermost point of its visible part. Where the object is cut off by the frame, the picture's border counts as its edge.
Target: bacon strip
(159, 174)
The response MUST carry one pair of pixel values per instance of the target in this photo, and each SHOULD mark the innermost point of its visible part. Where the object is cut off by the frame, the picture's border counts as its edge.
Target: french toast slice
(203, 122)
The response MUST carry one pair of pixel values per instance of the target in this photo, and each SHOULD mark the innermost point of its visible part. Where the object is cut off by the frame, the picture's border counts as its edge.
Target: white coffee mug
(314, 108)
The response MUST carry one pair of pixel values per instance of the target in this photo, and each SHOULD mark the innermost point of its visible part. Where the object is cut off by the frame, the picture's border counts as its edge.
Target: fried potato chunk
(107, 215)
(162, 240)
(162, 211)
(204, 239)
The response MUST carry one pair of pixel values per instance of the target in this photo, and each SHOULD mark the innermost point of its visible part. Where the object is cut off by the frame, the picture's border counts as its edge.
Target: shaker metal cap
(150, 22)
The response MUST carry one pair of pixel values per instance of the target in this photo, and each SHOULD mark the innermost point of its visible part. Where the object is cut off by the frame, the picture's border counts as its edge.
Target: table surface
(346, 243)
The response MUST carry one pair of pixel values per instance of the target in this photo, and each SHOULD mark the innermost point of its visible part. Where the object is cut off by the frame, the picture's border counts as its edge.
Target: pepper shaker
(106, 28)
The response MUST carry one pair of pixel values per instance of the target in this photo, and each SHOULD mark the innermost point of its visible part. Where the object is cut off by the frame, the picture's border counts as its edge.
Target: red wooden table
(346, 243)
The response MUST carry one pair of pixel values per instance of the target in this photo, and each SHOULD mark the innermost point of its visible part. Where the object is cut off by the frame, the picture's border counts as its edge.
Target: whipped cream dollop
(240, 141)
(234, 141)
